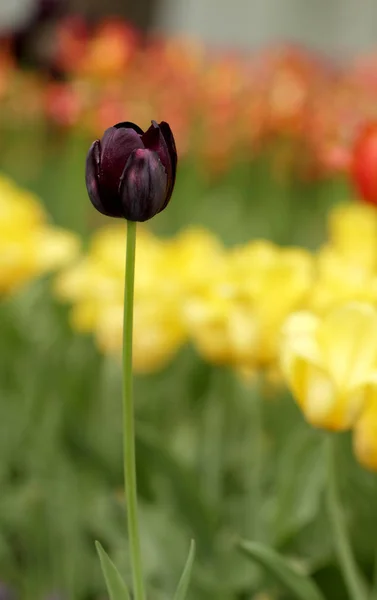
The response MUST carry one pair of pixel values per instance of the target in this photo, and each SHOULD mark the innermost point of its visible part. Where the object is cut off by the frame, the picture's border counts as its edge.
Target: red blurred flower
(71, 44)
(364, 163)
(62, 104)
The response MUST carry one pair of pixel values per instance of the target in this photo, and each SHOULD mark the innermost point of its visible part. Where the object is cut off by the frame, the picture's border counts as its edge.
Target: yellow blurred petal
(340, 280)
(108, 247)
(299, 338)
(244, 336)
(318, 398)
(17, 265)
(365, 430)
(55, 248)
(353, 232)
(87, 279)
(315, 393)
(347, 337)
(19, 208)
(109, 329)
(84, 316)
(157, 336)
(327, 363)
(74, 282)
(301, 364)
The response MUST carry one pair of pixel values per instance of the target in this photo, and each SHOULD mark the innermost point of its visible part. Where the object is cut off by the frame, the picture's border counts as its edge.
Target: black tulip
(131, 173)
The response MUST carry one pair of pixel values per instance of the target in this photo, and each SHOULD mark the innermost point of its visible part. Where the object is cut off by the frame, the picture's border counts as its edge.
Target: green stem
(352, 576)
(128, 417)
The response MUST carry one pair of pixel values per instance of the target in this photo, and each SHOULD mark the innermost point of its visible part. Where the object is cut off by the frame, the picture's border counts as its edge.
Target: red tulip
(364, 163)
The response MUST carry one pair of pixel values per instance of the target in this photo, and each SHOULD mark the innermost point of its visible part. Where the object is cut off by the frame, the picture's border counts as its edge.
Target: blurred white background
(337, 27)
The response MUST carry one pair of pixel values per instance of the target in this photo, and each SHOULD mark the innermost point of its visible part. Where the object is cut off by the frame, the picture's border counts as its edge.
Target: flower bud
(130, 173)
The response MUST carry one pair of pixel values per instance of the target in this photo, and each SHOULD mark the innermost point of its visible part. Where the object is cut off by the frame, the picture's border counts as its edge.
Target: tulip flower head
(131, 173)
(329, 363)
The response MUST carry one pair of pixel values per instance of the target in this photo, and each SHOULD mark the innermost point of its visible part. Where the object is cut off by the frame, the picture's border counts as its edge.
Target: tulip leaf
(184, 581)
(300, 586)
(115, 585)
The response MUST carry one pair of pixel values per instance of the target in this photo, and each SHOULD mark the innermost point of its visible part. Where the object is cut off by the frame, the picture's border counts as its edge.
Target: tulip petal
(365, 430)
(348, 341)
(318, 398)
(92, 179)
(142, 186)
(304, 360)
(129, 125)
(299, 338)
(301, 365)
(117, 145)
(154, 139)
(170, 142)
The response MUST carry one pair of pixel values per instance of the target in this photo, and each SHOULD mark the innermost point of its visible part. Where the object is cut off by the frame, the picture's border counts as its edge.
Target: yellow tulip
(328, 363)
(29, 247)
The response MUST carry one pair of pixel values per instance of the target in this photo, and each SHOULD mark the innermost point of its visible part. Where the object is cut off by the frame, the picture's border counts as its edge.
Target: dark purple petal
(129, 125)
(92, 179)
(170, 142)
(154, 140)
(143, 185)
(116, 146)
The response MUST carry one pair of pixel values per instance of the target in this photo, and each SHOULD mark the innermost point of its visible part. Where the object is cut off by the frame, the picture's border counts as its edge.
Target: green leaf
(300, 481)
(184, 582)
(302, 587)
(115, 585)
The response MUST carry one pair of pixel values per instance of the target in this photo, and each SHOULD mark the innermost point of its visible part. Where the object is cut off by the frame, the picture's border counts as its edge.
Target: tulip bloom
(130, 173)
(364, 163)
(329, 363)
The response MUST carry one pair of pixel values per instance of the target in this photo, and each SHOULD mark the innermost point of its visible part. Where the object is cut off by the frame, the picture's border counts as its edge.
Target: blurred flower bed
(257, 285)
(277, 125)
